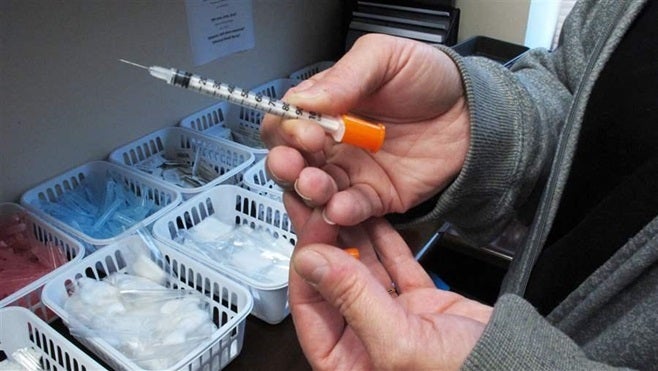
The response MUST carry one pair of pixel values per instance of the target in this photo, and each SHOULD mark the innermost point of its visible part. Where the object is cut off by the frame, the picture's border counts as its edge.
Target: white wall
(66, 100)
(542, 16)
(501, 19)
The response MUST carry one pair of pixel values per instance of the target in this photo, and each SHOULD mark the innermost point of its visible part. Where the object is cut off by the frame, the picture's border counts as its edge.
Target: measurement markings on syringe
(363, 134)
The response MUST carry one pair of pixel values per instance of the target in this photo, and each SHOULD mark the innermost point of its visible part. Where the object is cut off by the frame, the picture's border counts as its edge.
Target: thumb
(348, 285)
(351, 79)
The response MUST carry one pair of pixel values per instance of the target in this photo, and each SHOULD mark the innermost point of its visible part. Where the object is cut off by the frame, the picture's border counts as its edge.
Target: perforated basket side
(20, 329)
(30, 295)
(308, 71)
(95, 174)
(224, 159)
(207, 118)
(256, 179)
(233, 205)
(228, 302)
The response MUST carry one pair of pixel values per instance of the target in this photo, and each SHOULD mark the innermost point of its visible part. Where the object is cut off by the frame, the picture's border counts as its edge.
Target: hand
(346, 319)
(415, 90)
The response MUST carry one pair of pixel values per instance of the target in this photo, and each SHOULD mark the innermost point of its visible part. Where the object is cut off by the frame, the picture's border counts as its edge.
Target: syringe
(343, 128)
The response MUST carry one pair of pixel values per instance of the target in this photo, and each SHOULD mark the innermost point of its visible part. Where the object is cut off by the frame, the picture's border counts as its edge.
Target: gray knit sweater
(525, 125)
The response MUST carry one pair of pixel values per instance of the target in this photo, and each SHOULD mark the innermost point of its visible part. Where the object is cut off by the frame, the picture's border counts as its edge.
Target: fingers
(353, 205)
(357, 237)
(360, 72)
(328, 94)
(396, 257)
(283, 165)
(337, 90)
(346, 284)
(315, 186)
(309, 223)
(318, 189)
(314, 317)
(305, 135)
(330, 187)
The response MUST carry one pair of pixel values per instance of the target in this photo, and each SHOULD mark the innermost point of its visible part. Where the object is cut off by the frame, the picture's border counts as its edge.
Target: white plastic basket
(257, 180)
(210, 120)
(95, 174)
(233, 205)
(30, 295)
(223, 159)
(244, 123)
(308, 71)
(21, 329)
(228, 302)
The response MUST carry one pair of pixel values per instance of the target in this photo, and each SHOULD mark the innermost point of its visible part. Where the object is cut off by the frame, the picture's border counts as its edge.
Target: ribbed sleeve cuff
(480, 199)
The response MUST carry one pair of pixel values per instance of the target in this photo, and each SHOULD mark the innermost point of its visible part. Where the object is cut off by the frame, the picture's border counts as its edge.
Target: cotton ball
(204, 331)
(170, 307)
(147, 268)
(113, 308)
(144, 320)
(183, 305)
(210, 229)
(111, 337)
(193, 320)
(133, 346)
(75, 306)
(97, 292)
(125, 282)
(174, 337)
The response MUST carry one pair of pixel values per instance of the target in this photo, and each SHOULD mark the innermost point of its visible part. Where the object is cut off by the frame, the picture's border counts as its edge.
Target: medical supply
(353, 251)
(185, 159)
(99, 202)
(108, 283)
(254, 253)
(100, 212)
(226, 210)
(29, 343)
(24, 258)
(40, 235)
(152, 325)
(345, 129)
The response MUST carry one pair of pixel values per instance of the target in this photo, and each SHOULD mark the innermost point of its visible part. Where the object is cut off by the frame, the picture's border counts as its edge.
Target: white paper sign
(219, 28)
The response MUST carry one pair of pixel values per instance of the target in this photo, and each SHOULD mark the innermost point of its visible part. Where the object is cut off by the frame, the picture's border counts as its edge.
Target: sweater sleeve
(515, 121)
(516, 117)
(519, 338)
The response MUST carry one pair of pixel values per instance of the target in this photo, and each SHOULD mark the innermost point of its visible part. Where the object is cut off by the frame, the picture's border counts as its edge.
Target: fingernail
(304, 85)
(310, 265)
(326, 218)
(278, 180)
(307, 199)
(306, 89)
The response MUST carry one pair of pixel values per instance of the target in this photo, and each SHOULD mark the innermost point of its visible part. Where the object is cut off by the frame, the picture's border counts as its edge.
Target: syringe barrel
(256, 101)
(346, 128)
